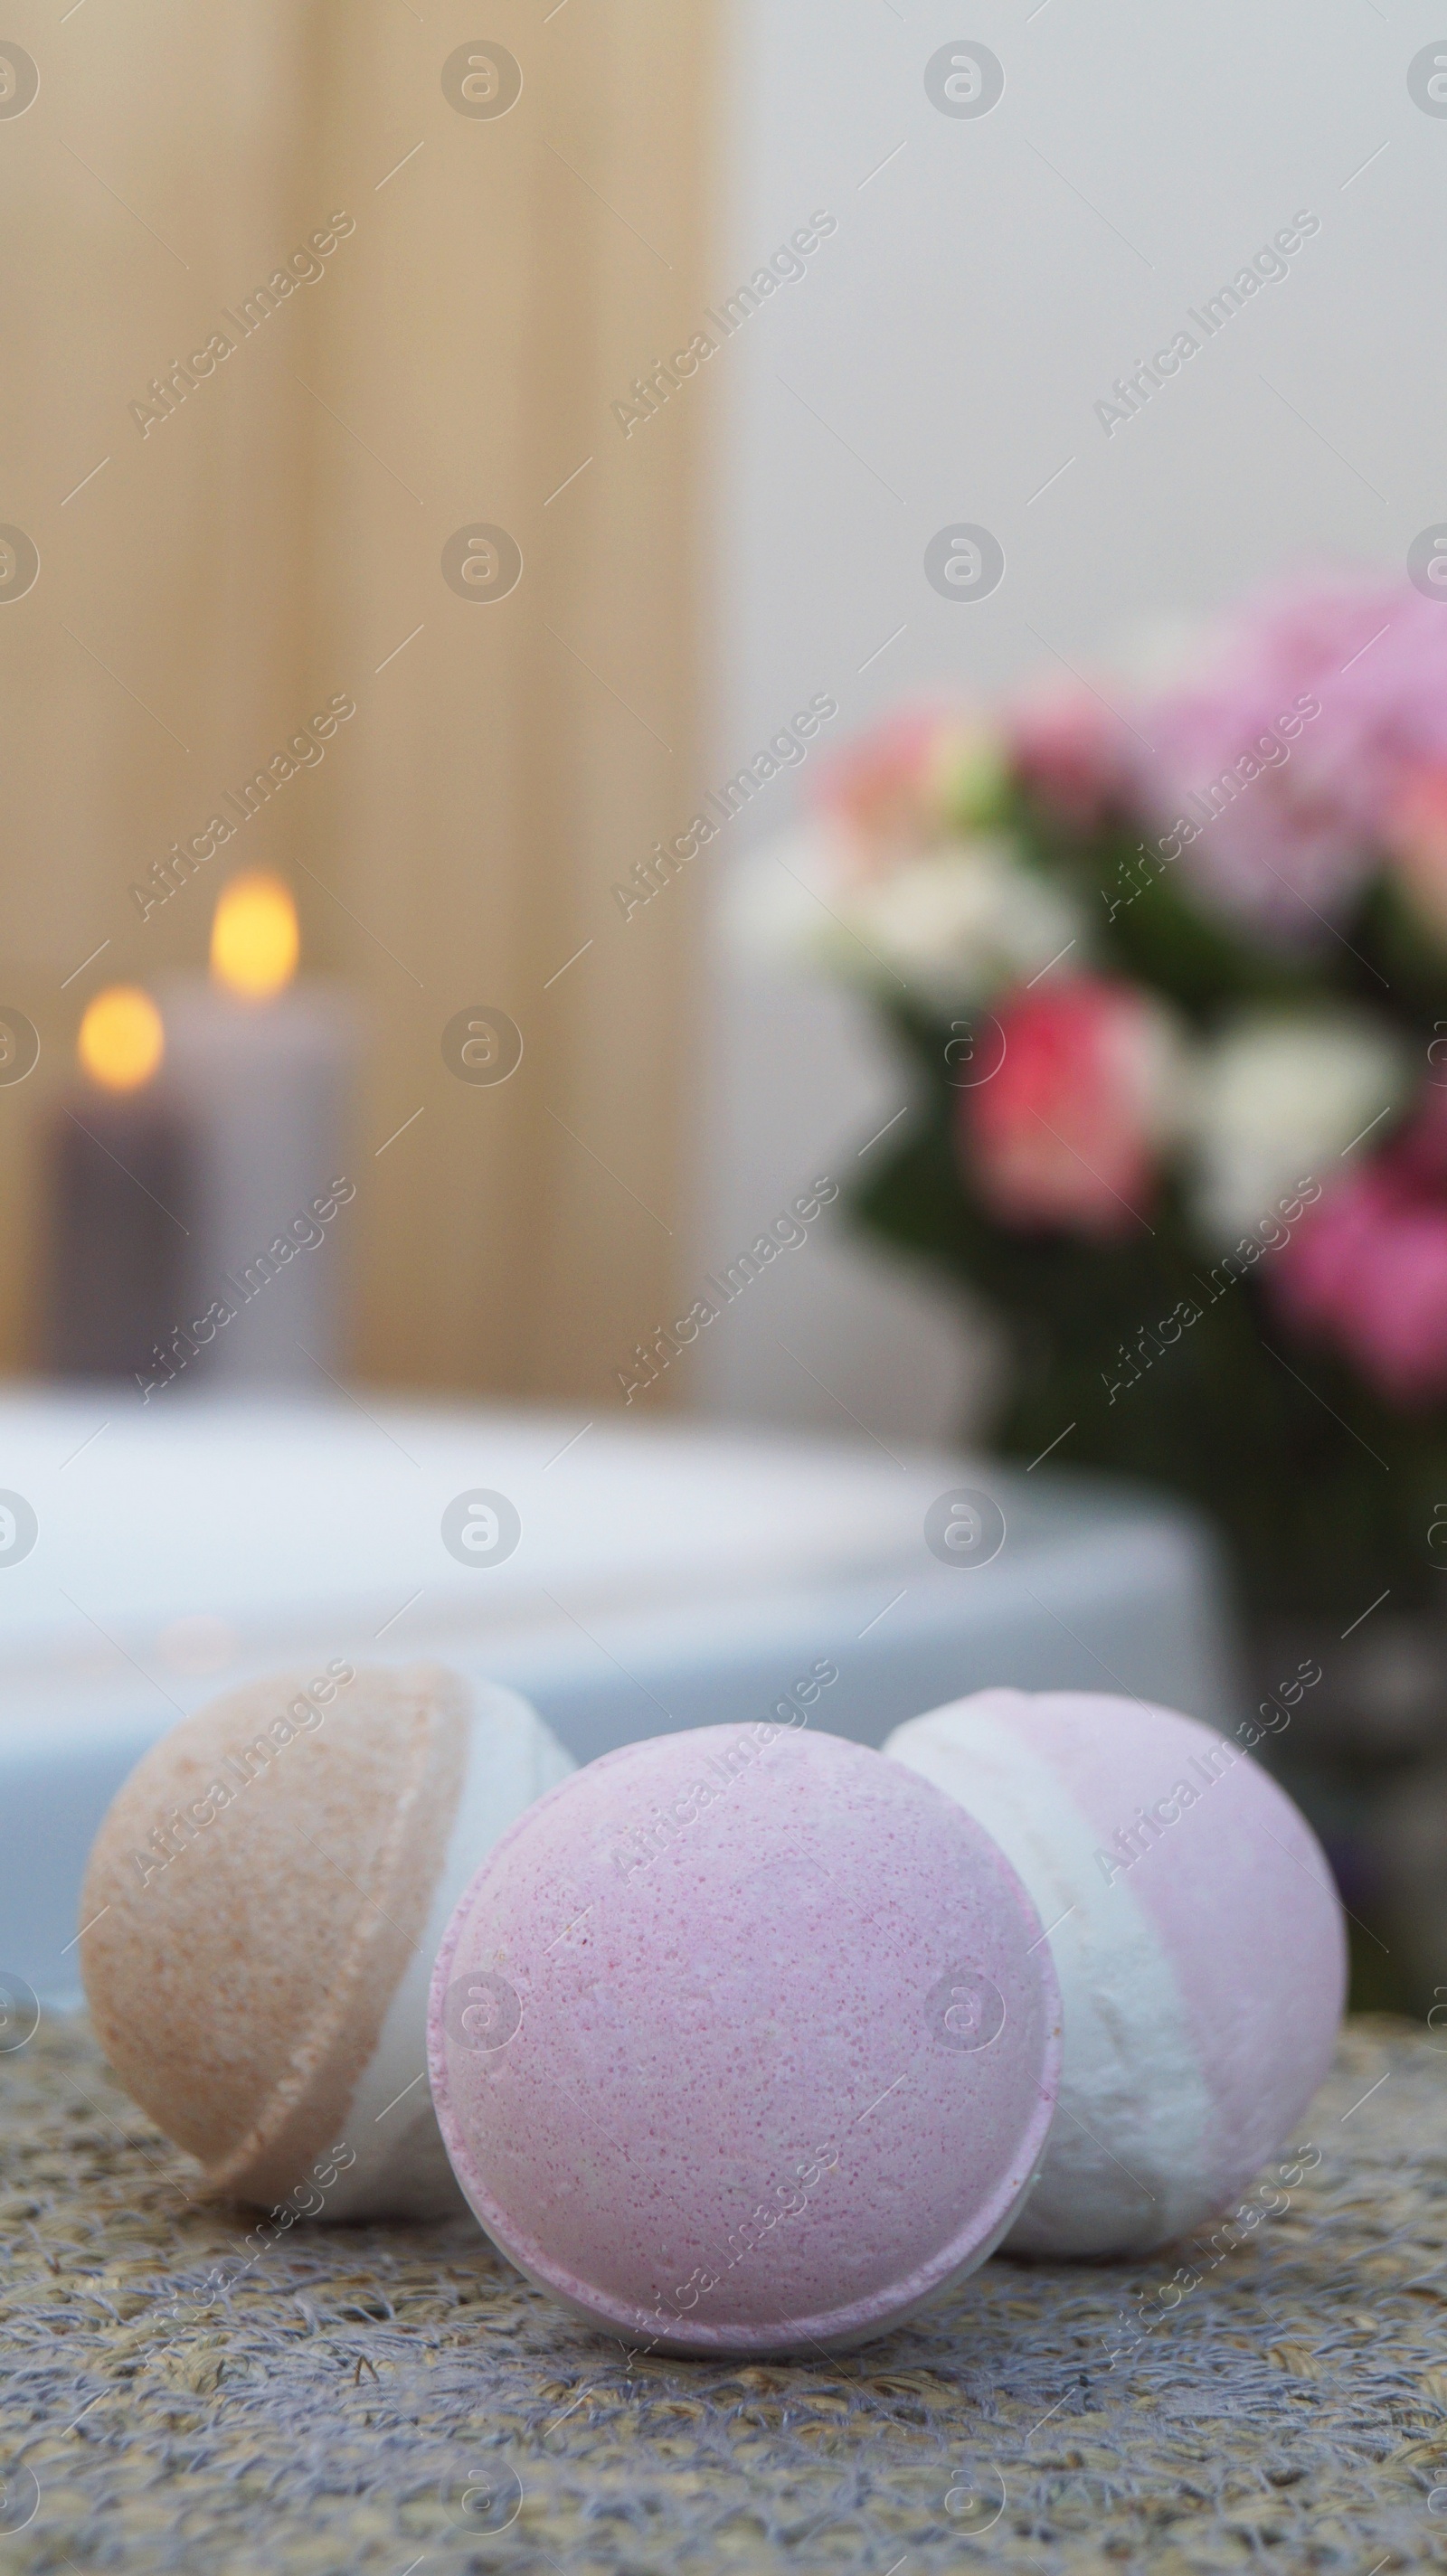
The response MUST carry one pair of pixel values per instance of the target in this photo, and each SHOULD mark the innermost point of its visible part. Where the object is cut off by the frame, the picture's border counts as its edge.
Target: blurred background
(439, 467)
(276, 540)
(712, 567)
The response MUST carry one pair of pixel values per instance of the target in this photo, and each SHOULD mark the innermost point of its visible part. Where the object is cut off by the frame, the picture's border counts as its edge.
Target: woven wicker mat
(384, 2399)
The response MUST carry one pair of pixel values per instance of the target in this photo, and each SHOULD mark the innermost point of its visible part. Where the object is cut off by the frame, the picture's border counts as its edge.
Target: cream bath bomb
(745, 2041)
(262, 1907)
(1197, 1937)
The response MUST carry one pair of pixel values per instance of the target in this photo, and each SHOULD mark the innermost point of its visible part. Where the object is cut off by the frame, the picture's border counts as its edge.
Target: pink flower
(874, 788)
(1366, 1272)
(1314, 1277)
(923, 776)
(1416, 838)
(1066, 1132)
(1071, 752)
(1285, 819)
(1396, 1326)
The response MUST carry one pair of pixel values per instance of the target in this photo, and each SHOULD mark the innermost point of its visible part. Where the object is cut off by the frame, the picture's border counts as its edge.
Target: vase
(1362, 1748)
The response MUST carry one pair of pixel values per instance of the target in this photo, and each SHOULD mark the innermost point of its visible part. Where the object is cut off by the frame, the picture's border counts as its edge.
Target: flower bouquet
(1171, 967)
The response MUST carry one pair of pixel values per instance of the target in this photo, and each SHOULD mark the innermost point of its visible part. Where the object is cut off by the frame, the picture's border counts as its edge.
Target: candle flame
(121, 1040)
(254, 937)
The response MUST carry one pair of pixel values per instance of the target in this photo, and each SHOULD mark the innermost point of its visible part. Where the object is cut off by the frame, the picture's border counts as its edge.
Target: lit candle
(122, 1171)
(261, 1068)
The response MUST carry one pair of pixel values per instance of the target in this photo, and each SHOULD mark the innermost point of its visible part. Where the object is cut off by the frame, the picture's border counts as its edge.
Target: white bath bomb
(1197, 1937)
(263, 1904)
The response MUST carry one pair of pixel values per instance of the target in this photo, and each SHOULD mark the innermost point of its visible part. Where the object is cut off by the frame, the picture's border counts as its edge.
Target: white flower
(955, 925)
(1277, 1099)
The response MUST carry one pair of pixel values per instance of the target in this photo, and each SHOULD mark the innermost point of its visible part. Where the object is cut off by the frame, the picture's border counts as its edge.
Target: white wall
(983, 290)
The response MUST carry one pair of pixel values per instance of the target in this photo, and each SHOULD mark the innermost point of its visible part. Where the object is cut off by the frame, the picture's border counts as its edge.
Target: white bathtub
(665, 1576)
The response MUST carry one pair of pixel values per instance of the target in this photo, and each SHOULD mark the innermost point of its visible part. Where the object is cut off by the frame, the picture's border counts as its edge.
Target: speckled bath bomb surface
(1198, 1940)
(745, 2040)
(263, 1904)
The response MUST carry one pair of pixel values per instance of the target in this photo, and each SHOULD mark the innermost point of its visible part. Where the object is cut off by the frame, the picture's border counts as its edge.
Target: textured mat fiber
(381, 2399)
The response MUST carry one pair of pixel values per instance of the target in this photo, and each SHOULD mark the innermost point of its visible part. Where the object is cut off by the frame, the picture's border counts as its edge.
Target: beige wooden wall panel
(149, 182)
(281, 536)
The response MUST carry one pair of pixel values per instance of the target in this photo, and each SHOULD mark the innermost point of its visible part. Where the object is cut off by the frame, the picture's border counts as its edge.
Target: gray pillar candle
(262, 1069)
(121, 1172)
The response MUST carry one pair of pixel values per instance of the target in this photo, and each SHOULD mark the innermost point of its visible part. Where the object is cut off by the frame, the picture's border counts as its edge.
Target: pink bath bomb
(1197, 1937)
(745, 2040)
